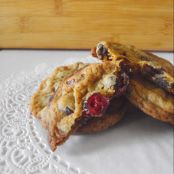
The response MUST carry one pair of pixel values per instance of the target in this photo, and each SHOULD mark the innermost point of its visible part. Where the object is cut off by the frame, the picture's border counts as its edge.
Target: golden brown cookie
(87, 125)
(86, 93)
(153, 96)
(154, 68)
(151, 99)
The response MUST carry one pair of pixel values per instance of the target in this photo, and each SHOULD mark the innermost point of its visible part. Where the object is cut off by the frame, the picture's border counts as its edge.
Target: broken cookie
(85, 94)
(155, 69)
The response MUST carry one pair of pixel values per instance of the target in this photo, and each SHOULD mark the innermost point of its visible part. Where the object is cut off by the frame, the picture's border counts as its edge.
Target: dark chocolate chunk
(161, 82)
(148, 69)
(68, 111)
(102, 51)
(122, 83)
(151, 73)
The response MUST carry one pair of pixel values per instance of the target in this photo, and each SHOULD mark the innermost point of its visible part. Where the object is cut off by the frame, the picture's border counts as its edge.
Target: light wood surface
(147, 24)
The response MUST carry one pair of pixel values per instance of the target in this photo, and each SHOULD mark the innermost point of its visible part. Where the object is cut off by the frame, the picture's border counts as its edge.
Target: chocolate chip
(122, 82)
(125, 66)
(161, 82)
(156, 76)
(68, 111)
(151, 71)
(102, 51)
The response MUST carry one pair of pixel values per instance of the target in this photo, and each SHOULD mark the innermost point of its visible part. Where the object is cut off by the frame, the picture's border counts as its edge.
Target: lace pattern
(22, 149)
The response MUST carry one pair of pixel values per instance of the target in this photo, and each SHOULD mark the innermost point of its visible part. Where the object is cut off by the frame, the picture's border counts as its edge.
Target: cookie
(151, 85)
(50, 85)
(151, 99)
(84, 94)
(153, 68)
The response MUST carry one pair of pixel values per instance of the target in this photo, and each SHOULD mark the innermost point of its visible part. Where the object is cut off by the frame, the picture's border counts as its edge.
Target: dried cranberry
(96, 105)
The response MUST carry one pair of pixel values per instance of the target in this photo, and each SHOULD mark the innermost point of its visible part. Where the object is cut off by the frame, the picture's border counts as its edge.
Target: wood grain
(147, 24)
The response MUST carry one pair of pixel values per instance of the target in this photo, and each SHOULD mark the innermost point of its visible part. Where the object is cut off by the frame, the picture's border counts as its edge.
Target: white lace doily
(22, 149)
(139, 144)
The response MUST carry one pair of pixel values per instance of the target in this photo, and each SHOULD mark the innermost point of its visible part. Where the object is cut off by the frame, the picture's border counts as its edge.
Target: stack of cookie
(86, 98)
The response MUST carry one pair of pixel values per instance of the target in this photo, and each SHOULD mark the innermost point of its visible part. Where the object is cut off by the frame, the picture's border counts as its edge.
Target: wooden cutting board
(80, 24)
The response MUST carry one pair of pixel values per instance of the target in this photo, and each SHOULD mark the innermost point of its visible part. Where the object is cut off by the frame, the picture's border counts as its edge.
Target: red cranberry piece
(96, 105)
